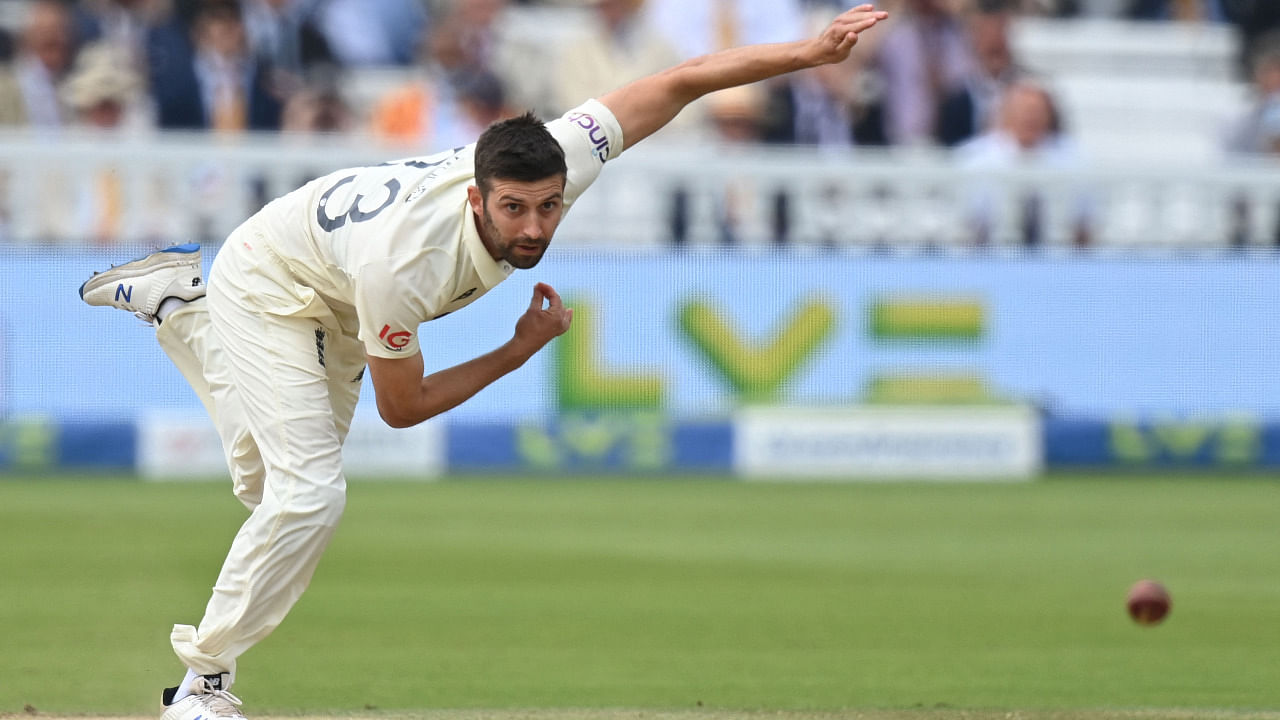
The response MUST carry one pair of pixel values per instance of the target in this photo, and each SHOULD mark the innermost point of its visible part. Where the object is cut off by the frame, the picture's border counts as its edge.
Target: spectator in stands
(837, 106)
(29, 85)
(697, 27)
(1255, 19)
(966, 110)
(738, 211)
(457, 86)
(102, 90)
(1027, 134)
(207, 78)
(1067, 8)
(121, 23)
(1180, 10)
(373, 32)
(440, 114)
(1258, 132)
(617, 45)
(923, 58)
(285, 36)
(479, 36)
(737, 114)
(831, 106)
(467, 36)
(317, 108)
(479, 100)
(6, 45)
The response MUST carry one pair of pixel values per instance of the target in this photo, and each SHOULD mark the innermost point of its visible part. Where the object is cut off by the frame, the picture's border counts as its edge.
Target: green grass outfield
(701, 598)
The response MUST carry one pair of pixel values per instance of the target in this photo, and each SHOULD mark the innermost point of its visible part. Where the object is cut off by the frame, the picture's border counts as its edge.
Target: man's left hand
(837, 41)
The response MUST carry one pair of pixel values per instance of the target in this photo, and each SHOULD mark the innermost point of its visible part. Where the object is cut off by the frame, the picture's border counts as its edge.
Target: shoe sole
(168, 257)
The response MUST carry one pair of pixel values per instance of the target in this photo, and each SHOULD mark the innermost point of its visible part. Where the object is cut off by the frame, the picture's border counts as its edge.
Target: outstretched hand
(837, 40)
(540, 325)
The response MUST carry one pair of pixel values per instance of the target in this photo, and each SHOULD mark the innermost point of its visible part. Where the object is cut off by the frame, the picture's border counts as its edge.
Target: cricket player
(337, 277)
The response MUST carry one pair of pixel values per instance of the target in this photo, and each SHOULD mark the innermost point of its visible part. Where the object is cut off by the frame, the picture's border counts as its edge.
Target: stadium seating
(1139, 89)
(1148, 105)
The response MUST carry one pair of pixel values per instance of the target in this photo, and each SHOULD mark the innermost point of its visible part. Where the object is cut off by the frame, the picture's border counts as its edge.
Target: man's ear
(476, 200)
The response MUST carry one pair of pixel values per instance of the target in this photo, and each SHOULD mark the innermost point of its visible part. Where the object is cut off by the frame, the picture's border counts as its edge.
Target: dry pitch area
(623, 714)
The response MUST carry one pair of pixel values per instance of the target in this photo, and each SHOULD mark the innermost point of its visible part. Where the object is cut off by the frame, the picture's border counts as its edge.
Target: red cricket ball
(1148, 602)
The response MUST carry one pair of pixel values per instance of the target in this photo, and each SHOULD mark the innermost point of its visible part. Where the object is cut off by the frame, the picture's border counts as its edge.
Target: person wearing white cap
(102, 86)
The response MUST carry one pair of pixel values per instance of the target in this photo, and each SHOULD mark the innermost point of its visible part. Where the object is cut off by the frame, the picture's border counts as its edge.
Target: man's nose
(533, 229)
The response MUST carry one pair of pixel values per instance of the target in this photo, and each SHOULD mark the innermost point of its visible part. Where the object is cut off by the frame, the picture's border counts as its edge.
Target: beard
(507, 248)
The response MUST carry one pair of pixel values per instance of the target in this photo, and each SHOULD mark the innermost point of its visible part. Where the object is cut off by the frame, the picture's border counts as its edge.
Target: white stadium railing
(74, 189)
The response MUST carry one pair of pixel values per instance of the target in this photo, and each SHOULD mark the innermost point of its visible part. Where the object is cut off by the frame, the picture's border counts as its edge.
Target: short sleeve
(589, 135)
(390, 304)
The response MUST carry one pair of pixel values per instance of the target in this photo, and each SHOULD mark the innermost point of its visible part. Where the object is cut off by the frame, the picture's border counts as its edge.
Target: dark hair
(1266, 49)
(218, 10)
(990, 7)
(519, 148)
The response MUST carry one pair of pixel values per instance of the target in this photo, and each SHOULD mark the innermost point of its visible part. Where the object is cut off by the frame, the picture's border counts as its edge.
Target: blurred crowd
(942, 73)
(935, 75)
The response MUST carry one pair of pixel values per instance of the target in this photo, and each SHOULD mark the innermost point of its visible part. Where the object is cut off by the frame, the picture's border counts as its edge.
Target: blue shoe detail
(184, 249)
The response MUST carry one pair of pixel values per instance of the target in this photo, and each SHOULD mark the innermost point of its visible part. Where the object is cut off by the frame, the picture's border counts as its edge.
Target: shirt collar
(491, 271)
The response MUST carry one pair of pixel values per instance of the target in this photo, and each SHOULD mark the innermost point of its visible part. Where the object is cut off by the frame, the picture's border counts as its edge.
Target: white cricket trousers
(279, 374)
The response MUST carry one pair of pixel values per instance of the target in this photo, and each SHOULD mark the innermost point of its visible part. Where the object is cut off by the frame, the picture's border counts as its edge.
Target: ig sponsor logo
(595, 133)
(394, 340)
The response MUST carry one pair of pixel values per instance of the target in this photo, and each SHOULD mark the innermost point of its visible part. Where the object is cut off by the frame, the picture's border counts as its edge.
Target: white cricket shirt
(397, 243)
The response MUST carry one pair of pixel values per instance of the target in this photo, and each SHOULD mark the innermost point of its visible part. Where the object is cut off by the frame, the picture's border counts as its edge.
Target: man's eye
(549, 205)
(513, 207)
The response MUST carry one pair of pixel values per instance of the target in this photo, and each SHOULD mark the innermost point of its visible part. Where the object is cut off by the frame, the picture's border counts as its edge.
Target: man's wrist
(516, 351)
(809, 53)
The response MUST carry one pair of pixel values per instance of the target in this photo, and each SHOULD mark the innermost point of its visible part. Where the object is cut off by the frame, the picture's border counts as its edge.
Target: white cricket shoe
(140, 285)
(207, 701)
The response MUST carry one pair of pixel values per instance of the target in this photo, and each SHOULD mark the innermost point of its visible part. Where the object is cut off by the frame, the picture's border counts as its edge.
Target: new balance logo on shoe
(171, 273)
(213, 682)
(208, 700)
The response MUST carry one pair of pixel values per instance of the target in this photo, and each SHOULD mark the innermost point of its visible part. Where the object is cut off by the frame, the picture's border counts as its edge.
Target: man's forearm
(446, 389)
(646, 105)
(736, 66)
(421, 398)
(406, 398)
